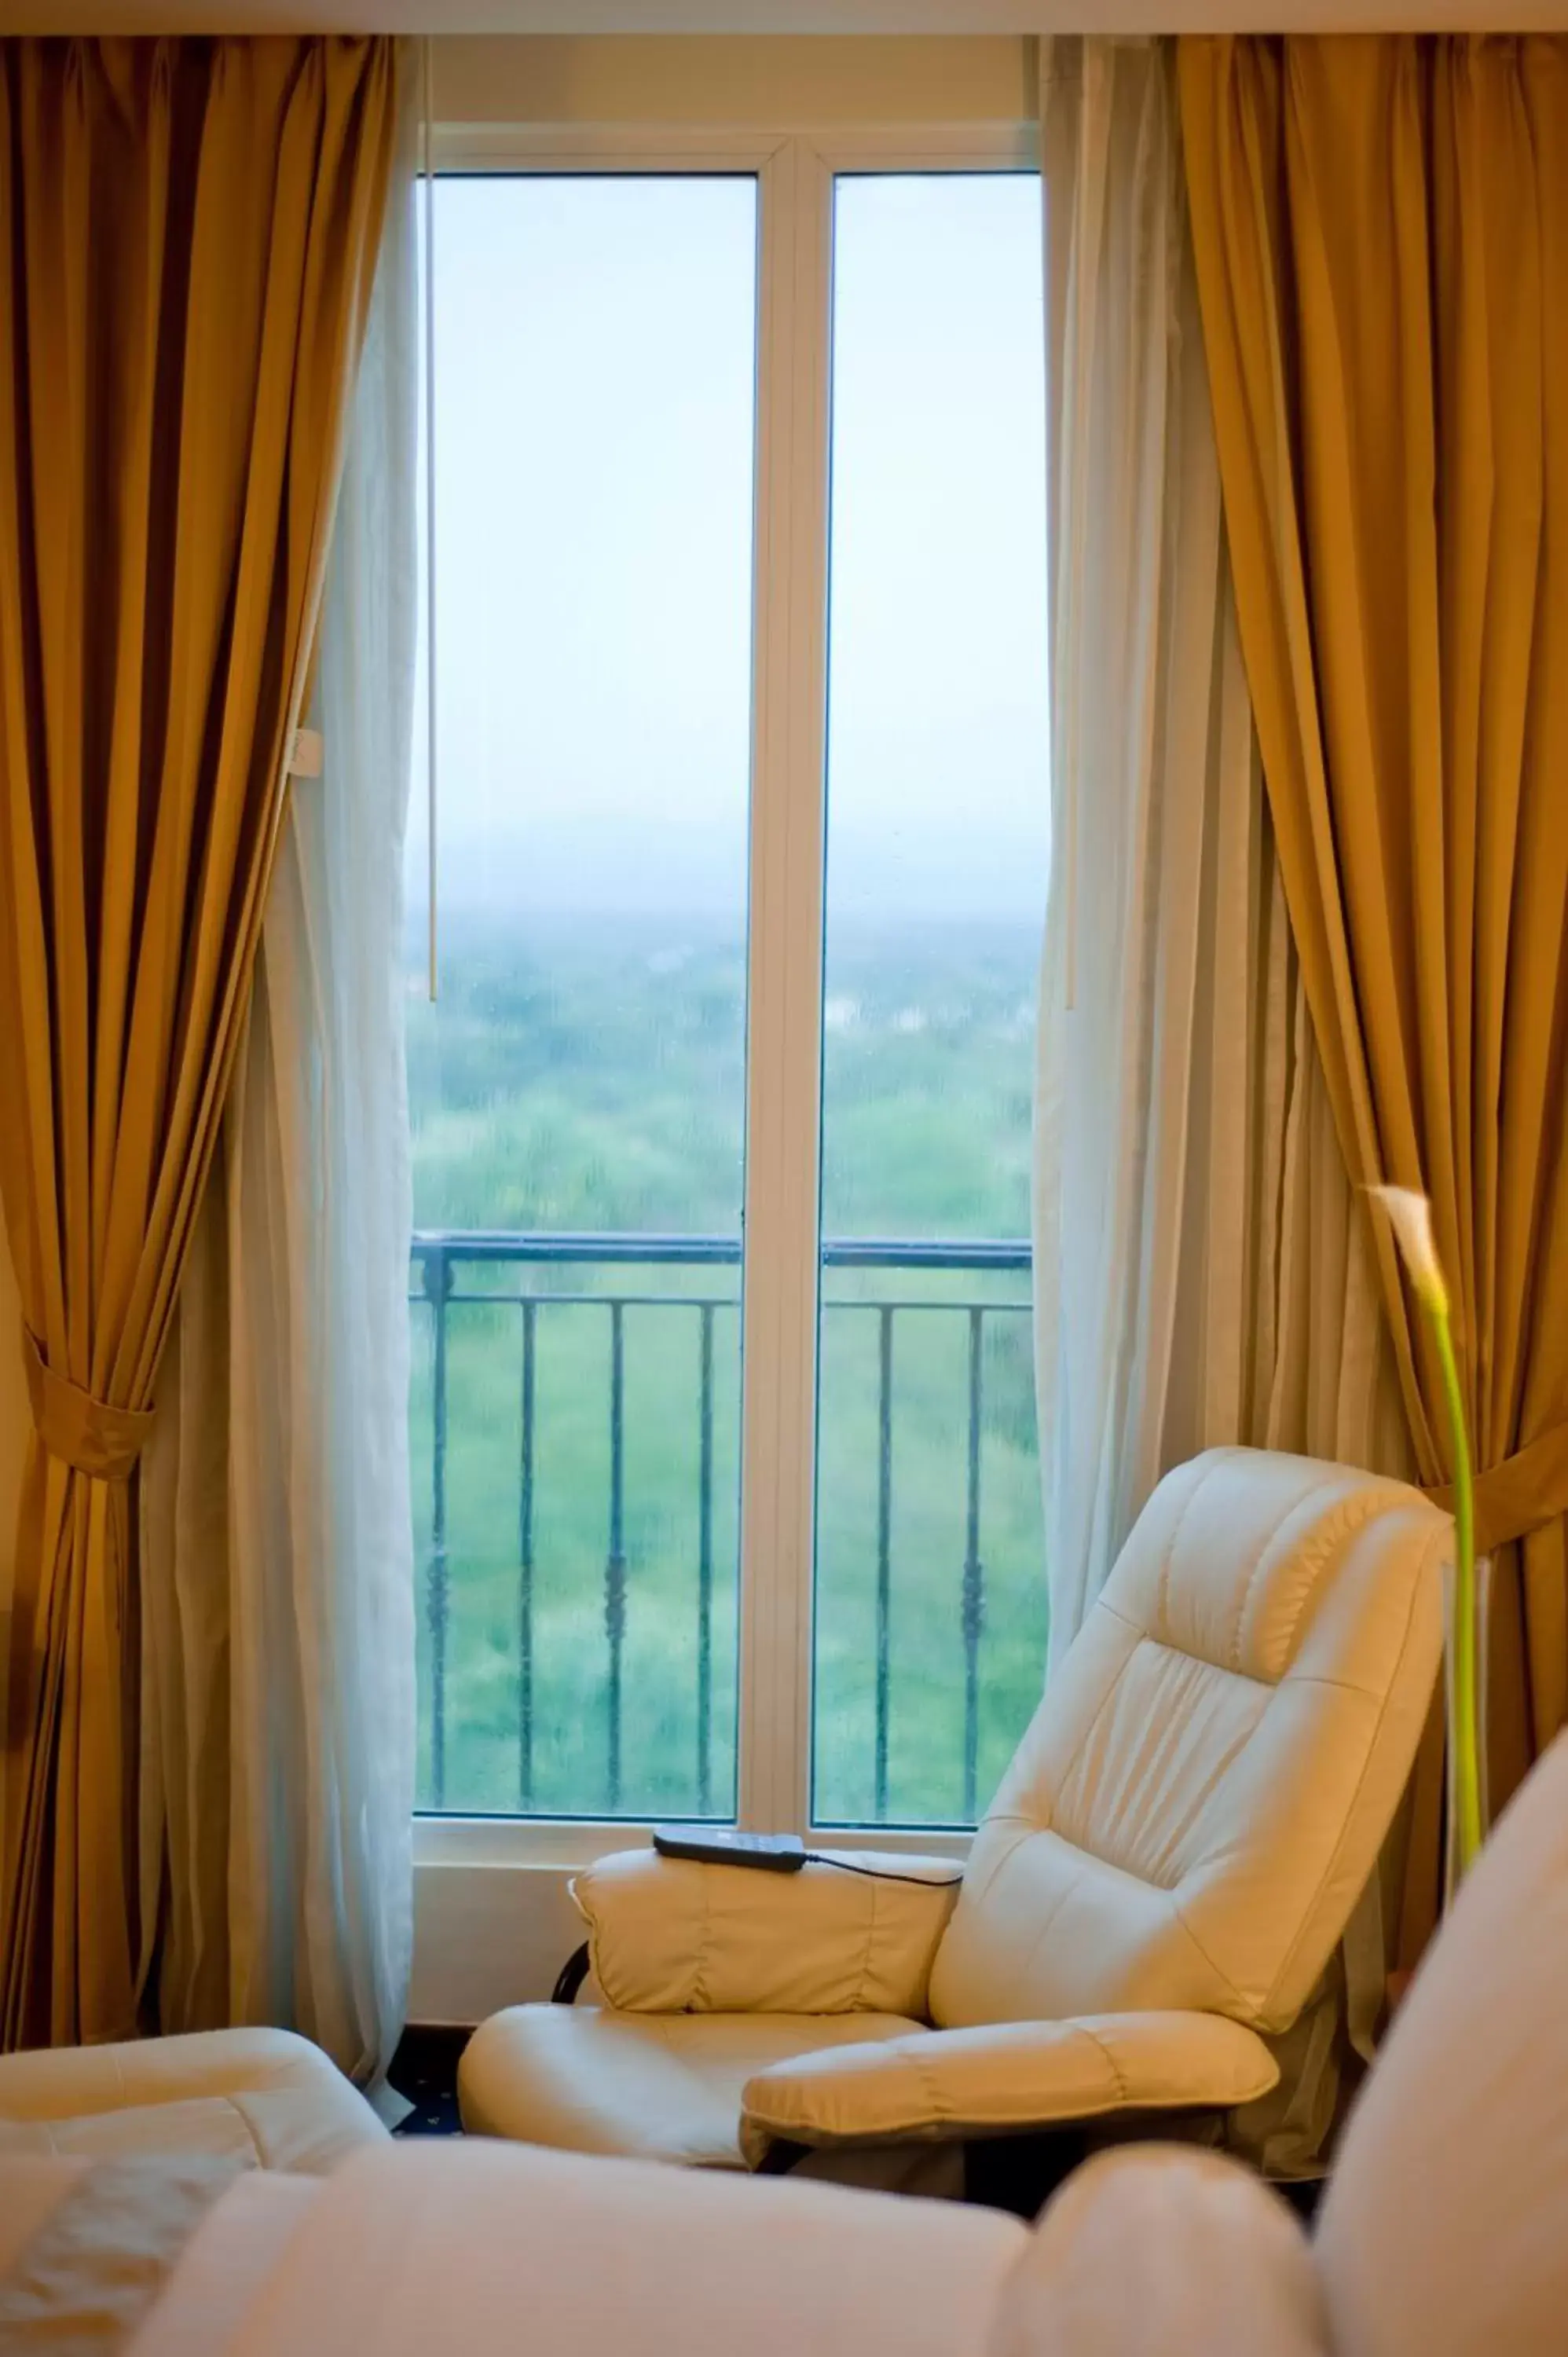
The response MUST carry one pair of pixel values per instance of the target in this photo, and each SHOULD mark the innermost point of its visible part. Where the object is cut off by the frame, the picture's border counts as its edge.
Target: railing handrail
(439, 1252)
(618, 1247)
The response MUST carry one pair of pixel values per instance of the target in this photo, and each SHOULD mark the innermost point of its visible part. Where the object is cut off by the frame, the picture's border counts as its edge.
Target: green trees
(592, 1079)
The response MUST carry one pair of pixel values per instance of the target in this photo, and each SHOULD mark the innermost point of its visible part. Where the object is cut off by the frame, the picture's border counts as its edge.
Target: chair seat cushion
(650, 2086)
(261, 2096)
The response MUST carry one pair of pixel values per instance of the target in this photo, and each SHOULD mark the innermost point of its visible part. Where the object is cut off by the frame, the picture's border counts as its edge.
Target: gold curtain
(1381, 235)
(188, 235)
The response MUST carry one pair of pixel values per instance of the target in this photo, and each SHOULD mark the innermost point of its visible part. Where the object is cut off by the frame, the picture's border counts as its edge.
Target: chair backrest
(1201, 1796)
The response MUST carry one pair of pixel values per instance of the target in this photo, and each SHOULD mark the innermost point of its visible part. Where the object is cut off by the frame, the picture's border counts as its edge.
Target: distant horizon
(663, 867)
(664, 921)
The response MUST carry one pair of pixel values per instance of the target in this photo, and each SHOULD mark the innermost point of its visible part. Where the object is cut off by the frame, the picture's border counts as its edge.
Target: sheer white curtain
(1202, 1275)
(278, 1747)
(1202, 1271)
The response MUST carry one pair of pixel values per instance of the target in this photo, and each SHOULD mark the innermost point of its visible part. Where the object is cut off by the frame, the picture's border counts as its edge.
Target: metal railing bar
(525, 1244)
(458, 1299)
(525, 1566)
(438, 1275)
(615, 1562)
(884, 1549)
(884, 1252)
(654, 1251)
(594, 1300)
(953, 1308)
(972, 1608)
(705, 1555)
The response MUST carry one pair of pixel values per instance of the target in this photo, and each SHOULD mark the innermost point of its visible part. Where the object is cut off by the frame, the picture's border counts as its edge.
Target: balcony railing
(458, 1270)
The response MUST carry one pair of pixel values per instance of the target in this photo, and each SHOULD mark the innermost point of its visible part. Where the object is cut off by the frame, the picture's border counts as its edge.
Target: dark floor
(425, 2068)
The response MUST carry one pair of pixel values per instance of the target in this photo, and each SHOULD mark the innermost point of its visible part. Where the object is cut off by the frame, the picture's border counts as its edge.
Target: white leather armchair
(1149, 1912)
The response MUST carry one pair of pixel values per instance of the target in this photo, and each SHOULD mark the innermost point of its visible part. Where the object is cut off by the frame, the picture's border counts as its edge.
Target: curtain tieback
(84, 1433)
(1523, 1494)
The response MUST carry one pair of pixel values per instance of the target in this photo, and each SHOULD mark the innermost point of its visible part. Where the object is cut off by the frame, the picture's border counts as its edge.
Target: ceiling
(771, 15)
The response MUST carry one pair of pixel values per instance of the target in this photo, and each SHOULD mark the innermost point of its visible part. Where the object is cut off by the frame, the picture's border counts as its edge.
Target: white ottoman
(263, 2097)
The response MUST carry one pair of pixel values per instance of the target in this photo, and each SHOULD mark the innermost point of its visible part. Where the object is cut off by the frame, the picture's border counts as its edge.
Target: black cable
(881, 1874)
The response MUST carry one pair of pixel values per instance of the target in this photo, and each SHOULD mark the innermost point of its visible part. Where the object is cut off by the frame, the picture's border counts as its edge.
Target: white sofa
(1444, 2233)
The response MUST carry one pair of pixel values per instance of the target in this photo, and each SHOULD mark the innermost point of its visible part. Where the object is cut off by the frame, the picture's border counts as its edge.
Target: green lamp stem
(1462, 1733)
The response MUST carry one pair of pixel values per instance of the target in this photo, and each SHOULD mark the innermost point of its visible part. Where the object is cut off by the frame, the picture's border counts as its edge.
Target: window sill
(569, 1845)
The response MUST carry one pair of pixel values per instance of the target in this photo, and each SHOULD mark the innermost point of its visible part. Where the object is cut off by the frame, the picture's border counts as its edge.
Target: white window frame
(498, 1926)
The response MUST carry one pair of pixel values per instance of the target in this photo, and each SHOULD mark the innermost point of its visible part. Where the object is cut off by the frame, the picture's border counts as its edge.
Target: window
(725, 1090)
(930, 1602)
(577, 1088)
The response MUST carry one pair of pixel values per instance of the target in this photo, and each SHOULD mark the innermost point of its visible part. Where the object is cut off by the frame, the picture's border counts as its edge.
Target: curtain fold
(277, 1777)
(1381, 235)
(187, 232)
(1202, 1274)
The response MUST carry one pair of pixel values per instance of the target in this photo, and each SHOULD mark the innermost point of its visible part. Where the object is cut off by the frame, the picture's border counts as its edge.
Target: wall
(787, 83)
(756, 18)
(487, 1936)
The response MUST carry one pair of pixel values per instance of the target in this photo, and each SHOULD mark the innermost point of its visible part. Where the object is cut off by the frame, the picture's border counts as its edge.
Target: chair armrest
(1004, 2079)
(669, 1935)
(1162, 2251)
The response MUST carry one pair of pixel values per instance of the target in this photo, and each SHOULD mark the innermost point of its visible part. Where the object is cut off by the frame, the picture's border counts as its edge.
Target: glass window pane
(929, 1582)
(577, 1092)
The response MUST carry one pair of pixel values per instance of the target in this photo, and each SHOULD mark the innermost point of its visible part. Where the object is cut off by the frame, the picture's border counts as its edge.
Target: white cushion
(261, 2096)
(653, 2086)
(190, 2269)
(30, 2189)
(1201, 1796)
(492, 2251)
(1158, 2251)
(1444, 2233)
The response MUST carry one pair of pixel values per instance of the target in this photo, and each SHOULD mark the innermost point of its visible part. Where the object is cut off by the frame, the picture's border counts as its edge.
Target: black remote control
(720, 1845)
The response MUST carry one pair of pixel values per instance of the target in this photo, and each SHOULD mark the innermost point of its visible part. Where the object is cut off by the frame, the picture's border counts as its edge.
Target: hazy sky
(595, 386)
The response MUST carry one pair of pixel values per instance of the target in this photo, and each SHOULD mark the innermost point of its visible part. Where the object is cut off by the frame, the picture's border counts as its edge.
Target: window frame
(795, 170)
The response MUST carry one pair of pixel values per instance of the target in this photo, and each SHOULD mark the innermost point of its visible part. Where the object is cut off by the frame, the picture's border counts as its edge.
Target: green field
(590, 1078)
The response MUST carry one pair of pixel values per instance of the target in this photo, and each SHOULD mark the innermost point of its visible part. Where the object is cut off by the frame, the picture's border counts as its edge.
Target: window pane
(578, 1093)
(930, 1595)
